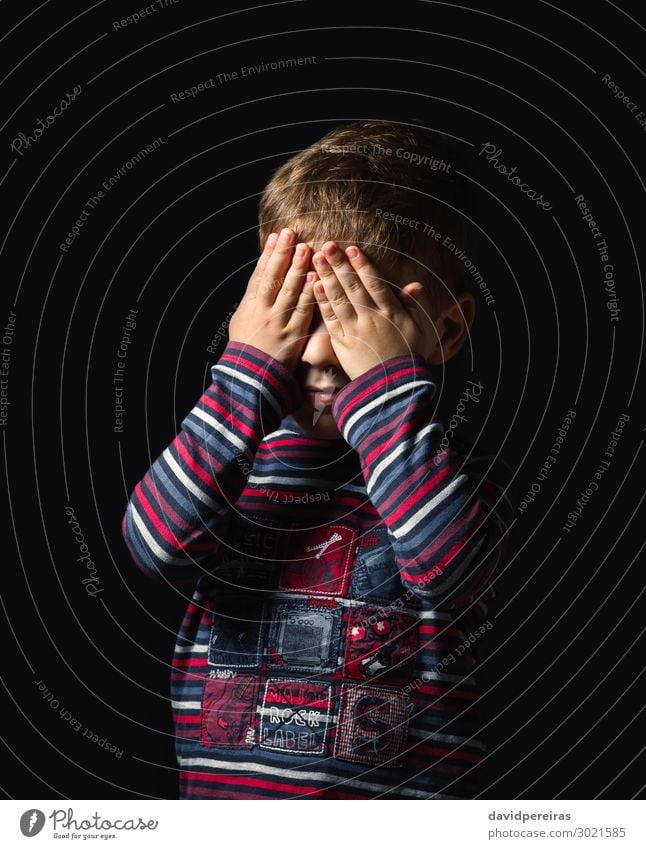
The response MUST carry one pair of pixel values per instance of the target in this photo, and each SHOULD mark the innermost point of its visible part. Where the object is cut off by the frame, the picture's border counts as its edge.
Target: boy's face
(319, 368)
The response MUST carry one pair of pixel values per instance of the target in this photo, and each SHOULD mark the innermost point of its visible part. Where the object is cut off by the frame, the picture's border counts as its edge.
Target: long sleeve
(178, 512)
(447, 520)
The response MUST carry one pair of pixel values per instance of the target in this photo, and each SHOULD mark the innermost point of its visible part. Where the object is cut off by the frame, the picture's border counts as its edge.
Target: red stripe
(244, 781)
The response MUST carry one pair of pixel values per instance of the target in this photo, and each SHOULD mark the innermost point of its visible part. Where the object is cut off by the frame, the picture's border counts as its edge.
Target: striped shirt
(339, 586)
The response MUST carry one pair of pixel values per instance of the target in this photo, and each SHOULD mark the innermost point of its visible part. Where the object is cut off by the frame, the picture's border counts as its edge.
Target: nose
(318, 350)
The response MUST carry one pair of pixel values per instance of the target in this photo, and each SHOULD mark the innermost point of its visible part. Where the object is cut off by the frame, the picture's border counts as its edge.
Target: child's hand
(368, 320)
(276, 310)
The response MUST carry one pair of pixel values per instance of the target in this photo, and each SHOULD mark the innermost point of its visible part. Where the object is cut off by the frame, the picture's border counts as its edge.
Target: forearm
(178, 512)
(438, 510)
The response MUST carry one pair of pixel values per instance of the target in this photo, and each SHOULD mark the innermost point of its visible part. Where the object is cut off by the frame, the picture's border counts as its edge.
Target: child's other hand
(277, 307)
(369, 321)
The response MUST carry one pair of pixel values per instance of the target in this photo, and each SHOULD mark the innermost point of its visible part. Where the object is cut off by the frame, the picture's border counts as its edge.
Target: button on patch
(380, 644)
(295, 716)
(373, 725)
(228, 712)
(317, 560)
(304, 637)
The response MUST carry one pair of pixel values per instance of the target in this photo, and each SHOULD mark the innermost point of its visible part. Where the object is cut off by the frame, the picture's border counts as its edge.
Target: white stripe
(193, 648)
(221, 429)
(446, 738)
(428, 507)
(434, 614)
(426, 675)
(294, 774)
(158, 552)
(404, 446)
(250, 381)
(187, 482)
(185, 705)
(378, 402)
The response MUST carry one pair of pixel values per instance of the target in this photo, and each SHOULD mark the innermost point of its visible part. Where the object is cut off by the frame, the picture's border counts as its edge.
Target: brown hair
(388, 187)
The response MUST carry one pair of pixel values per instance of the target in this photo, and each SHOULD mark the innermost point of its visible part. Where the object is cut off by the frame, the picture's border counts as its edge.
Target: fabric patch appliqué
(304, 637)
(373, 725)
(228, 712)
(295, 716)
(237, 630)
(317, 560)
(380, 644)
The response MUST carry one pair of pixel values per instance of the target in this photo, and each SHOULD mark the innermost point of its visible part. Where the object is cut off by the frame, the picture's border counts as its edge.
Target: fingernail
(352, 253)
(330, 249)
(272, 238)
(310, 276)
(300, 250)
(285, 235)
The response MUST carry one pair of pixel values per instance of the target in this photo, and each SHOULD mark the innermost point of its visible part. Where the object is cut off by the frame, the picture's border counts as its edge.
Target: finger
(334, 292)
(277, 265)
(292, 287)
(270, 244)
(352, 284)
(379, 289)
(302, 312)
(325, 307)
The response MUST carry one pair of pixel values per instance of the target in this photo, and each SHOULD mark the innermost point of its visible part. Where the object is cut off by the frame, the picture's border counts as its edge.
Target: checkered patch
(372, 726)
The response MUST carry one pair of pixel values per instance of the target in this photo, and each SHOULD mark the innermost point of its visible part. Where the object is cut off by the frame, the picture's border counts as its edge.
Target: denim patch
(375, 575)
(372, 726)
(295, 716)
(237, 630)
(304, 636)
(317, 560)
(381, 644)
(228, 712)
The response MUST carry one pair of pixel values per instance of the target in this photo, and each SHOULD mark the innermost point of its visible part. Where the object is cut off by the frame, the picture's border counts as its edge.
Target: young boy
(338, 544)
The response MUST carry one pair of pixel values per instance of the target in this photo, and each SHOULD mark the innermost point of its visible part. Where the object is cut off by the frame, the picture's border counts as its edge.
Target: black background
(562, 669)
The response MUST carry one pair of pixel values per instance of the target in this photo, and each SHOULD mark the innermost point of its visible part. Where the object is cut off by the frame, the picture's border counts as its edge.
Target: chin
(325, 427)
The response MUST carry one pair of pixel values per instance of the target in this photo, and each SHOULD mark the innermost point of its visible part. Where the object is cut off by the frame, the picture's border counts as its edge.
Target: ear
(453, 325)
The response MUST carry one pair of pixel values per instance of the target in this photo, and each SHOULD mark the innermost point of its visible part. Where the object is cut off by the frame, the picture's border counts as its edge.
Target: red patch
(228, 712)
(317, 560)
(295, 716)
(373, 725)
(381, 644)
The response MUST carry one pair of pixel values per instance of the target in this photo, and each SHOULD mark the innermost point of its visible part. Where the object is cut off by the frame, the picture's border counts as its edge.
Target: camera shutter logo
(31, 822)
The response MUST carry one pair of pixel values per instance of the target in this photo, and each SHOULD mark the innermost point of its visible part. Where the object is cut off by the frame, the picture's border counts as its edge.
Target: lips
(321, 397)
